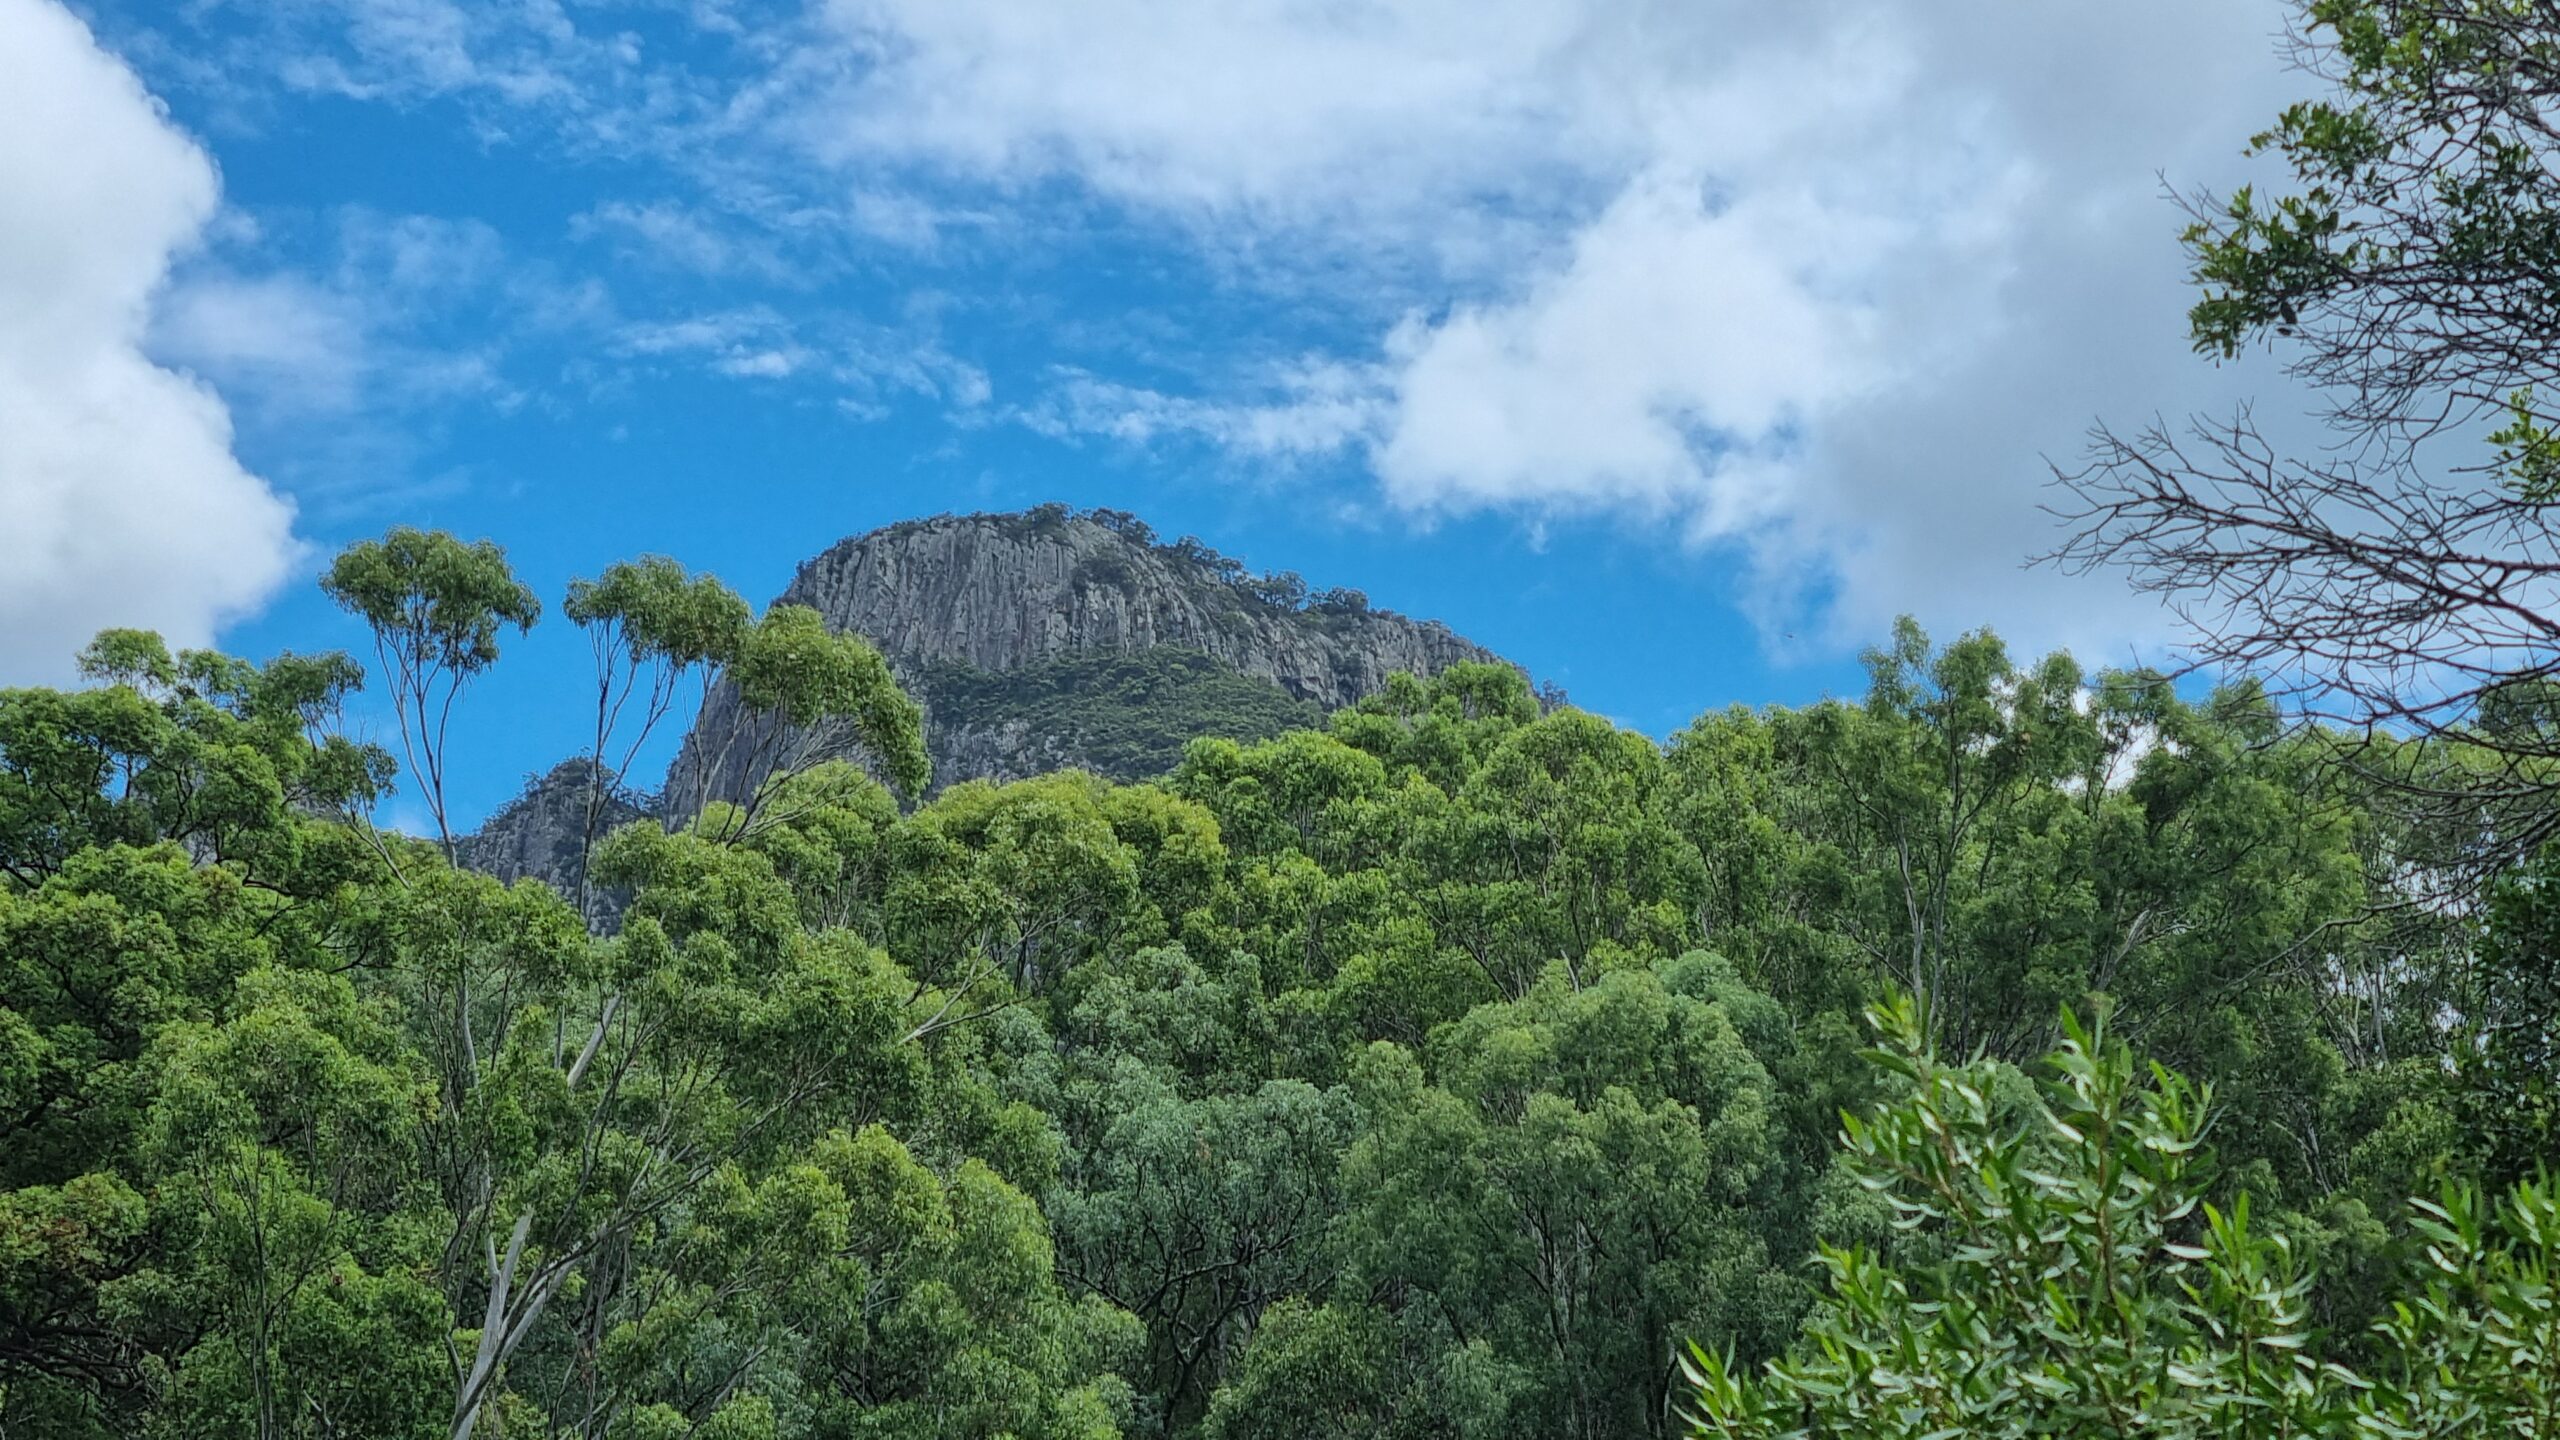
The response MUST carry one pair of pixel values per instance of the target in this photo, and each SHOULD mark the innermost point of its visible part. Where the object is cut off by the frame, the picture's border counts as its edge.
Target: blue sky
(1669, 348)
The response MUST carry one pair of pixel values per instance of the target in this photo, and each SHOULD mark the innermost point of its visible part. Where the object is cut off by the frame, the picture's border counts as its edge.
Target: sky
(1669, 347)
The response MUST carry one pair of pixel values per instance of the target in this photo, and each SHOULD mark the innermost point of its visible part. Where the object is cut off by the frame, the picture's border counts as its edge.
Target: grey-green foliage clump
(2056, 1271)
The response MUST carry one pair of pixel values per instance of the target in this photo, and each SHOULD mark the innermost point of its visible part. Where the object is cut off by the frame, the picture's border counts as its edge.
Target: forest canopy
(1457, 1067)
(2013, 1051)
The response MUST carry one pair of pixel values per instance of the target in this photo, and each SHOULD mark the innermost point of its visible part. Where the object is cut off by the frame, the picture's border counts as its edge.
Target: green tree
(1197, 1215)
(1553, 847)
(303, 1133)
(1015, 883)
(1353, 1371)
(1367, 1081)
(1310, 821)
(1443, 845)
(435, 606)
(2510, 1074)
(158, 845)
(853, 1291)
(829, 840)
(1439, 727)
(1580, 1179)
(651, 627)
(2060, 1273)
(2397, 579)
(280, 1140)
(2012, 840)
(197, 749)
(805, 695)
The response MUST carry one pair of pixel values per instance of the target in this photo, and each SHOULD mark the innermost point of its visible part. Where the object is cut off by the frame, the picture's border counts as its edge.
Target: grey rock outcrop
(1045, 596)
(1035, 642)
(540, 832)
(1002, 592)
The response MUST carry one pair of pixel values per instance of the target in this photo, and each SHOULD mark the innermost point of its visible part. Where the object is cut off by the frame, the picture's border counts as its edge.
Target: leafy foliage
(2396, 579)
(1438, 1070)
(2510, 1091)
(645, 619)
(808, 697)
(2063, 1274)
(435, 606)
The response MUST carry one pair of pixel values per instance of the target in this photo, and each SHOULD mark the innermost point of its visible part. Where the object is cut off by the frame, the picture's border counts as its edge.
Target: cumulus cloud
(278, 335)
(120, 500)
(1822, 284)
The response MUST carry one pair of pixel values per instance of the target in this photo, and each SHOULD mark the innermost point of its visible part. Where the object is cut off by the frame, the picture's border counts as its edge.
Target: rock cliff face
(1004, 592)
(1041, 640)
(1036, 642)
(540, 832)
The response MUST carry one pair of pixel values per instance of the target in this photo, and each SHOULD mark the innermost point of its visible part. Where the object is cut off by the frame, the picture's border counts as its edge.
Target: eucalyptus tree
(1197, 1214)
(803, 695)
(1577, 1181)
(1554, 848)
(2004, 839)
(435, 606)
(158, 849)
(196, 749)
(2509, 1084)
(653, 629)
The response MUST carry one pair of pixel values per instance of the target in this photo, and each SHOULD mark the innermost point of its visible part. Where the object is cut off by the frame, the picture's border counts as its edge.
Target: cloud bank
(120, 500)
(1819, 289)
(1822, 286)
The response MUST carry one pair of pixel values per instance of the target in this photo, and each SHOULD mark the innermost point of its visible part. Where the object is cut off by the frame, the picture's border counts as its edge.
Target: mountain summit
(1051, 639)
(1042, 640)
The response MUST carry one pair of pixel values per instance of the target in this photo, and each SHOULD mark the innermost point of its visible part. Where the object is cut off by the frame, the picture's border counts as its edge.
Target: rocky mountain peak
(1009, 592)
(1042, 640)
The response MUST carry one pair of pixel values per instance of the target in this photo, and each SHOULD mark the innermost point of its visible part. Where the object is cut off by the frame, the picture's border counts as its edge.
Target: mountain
(1037, 641)
(537, 832)
(1049, 639)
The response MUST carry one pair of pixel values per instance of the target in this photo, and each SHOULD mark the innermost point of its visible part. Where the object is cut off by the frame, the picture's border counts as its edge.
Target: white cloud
(120, 500)
(756, 342)
(345, 365)
(1820, 283)
(682, 237)
(1673, 360)
(1320, 406)
(897, 219)
(759, 364)
(520, 53)
(1816, 285)
(746, 342)
(1266, 105)
(554, 71)
(279, 335)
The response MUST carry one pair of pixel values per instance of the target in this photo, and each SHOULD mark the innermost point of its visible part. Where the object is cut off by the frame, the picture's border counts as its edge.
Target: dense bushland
(1444, 1071)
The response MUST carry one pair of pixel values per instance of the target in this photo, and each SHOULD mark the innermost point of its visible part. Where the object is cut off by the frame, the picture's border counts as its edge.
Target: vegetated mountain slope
(1047, 639)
